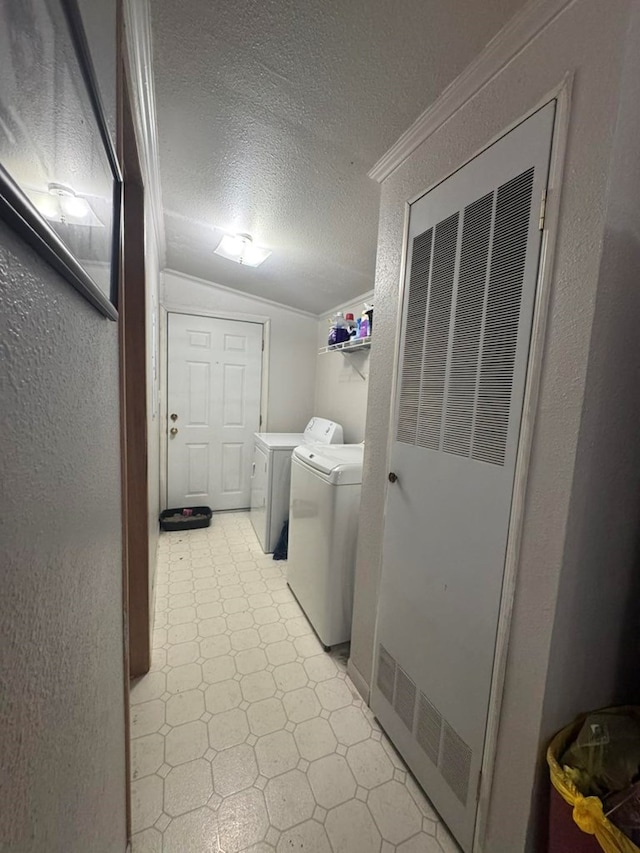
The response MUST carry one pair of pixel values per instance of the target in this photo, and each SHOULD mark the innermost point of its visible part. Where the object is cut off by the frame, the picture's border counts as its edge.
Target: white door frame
(259, 319)
(562, 95)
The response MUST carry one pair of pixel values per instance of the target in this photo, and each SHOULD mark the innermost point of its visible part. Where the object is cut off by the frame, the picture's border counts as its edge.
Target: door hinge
(479, 786)
(543, 210)
(260, 420)
(263, 345)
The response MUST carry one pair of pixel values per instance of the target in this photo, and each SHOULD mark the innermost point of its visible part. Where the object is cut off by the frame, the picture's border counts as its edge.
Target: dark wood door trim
(134, 322)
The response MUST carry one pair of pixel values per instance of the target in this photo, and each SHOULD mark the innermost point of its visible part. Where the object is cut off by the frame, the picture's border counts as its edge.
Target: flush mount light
(61, 204)
(241, 249)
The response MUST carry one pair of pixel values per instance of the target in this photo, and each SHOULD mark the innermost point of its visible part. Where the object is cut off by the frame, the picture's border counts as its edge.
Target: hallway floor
(246, 735)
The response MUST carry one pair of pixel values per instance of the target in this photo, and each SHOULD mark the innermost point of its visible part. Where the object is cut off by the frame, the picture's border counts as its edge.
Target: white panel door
(472, 265)
(213, 396)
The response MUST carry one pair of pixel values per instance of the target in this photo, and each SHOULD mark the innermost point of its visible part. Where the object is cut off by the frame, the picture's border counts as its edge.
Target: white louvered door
(472, 263)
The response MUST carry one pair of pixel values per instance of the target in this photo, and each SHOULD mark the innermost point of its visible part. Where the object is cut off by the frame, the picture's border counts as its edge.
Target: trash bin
(578, 823)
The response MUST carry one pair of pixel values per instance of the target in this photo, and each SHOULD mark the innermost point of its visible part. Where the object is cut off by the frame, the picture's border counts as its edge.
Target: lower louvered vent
(436, 737)
(455, 763)
(386, 674)
(429, 729)
(404, 699)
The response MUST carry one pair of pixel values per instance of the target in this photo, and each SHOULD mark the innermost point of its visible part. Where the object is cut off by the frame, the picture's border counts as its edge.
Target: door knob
(393, 478)
(173, 431)
(173, 417)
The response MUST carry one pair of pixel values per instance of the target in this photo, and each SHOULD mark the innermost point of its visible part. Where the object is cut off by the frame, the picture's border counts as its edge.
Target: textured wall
(588, 38)
(61, 646)
(341, 393)
(595, 644)
(293, 348)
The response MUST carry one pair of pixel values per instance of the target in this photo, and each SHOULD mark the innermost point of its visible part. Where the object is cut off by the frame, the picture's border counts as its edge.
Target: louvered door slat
(414, 338)
(476, 235)
(508, 255)
(434, 364)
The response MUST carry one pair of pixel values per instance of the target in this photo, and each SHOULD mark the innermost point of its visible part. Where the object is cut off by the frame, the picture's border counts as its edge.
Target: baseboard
(358, 679)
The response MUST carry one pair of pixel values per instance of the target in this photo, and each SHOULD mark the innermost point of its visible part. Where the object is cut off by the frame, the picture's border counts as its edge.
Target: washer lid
(279, 440)
(340, 464)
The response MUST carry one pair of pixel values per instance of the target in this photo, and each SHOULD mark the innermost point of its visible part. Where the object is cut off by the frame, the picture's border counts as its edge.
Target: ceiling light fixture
(241, 249)
(60, 203)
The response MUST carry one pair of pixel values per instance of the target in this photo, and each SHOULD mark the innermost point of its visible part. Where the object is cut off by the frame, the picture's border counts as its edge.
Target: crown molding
(137, 24)
(232, 290)
(506, 45)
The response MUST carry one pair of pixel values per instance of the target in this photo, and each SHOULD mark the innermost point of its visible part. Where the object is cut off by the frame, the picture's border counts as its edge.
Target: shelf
(348, 346)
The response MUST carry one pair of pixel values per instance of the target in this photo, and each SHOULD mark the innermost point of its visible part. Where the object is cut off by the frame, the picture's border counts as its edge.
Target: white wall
(62, 747)
(588, 37)
(341, 393)
(292, 347)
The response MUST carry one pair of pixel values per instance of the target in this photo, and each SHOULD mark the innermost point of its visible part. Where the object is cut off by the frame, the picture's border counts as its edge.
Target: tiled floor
(246, 735)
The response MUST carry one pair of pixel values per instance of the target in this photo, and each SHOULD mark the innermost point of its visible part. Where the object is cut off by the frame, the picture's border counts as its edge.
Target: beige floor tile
(315, 738)
(214, 647)
(223, 696)
(152, 686)
(309, 836)
(146, 802)
(272, 633)
(234, 770)
(301, 704)
(276, 753)
(281, 652)
(420, 844)
(183, 633)
(370, 764)
(228, 729)
(350, 725)
(242, 820)
(186, 742)
(351, 829)
(394, 811)
(196, 832)
(218, 669)
(290, 676)
(187, 787)
(250, 660)
(185, 677)
(147, 755)
(266, 716)
(331, 781)
(185, 707)
(147, 841)
(249, 738)
(289, 799)
(183, 653)
(147, 717)
(334, 694)
(257, 686)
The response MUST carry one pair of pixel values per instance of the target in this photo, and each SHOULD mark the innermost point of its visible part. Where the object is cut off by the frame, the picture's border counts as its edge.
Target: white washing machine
(271, 475)
(323, 534)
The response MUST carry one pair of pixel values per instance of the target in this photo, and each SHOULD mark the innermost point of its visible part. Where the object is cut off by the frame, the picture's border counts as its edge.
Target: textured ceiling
(270, 114)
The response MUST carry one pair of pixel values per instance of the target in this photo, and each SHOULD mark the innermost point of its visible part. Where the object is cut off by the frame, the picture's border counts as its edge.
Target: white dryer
(271, 475)
(323, 534)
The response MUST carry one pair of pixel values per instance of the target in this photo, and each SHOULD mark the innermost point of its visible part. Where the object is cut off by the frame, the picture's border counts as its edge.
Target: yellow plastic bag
(588, 813)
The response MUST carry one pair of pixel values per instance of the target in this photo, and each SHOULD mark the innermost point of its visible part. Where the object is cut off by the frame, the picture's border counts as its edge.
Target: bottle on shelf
(339, 331)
